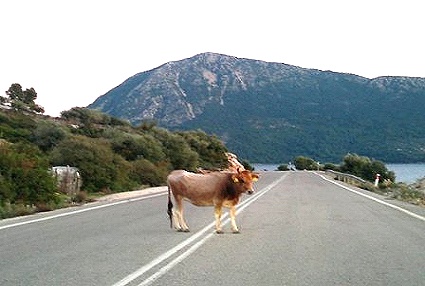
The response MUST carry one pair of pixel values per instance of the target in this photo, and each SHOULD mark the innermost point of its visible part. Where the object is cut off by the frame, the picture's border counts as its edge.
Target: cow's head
(244, 180)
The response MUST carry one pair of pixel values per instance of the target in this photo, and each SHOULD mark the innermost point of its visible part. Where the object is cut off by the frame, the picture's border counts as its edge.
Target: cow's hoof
(186, 230)
(219, 232)
(236, 232)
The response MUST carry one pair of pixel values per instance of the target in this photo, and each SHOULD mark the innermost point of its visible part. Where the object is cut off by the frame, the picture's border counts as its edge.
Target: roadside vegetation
(367, 169)
(110, 154)
(114, 156)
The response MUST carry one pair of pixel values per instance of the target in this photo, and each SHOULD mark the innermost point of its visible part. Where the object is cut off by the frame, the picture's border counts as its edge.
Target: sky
(72, 52)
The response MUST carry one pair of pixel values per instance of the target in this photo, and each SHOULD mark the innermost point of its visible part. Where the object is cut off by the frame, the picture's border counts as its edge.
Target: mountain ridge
(288, 110)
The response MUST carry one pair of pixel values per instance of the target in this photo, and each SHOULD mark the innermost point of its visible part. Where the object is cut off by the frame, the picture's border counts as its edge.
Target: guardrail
(347, 178)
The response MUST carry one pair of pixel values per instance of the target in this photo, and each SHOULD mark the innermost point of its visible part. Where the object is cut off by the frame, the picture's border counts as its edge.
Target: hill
(271, 112)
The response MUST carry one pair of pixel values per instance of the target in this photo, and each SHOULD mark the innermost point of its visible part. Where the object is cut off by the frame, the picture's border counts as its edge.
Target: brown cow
(216, 189)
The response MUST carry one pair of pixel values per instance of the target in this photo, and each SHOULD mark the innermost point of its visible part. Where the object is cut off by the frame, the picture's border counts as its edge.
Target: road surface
(299, 228)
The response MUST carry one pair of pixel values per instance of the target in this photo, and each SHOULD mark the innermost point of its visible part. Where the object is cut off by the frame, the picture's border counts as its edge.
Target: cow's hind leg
(176, 214)
(233, 219)
(217, 214)
(180, 222)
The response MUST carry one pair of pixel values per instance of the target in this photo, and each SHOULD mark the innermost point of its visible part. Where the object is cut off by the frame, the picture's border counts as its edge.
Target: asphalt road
(297, 229)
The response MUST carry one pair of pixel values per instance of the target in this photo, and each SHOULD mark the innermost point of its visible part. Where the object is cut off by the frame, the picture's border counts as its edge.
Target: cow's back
(200, 189)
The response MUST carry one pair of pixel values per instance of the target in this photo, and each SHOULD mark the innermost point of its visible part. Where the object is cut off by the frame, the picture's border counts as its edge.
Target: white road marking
(177, 260)
(412, 214)
(139, 272)
(81, 210)
(185, 243)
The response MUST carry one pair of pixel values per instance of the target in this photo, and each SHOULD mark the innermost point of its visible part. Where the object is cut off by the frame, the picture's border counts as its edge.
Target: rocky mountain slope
(271, 112)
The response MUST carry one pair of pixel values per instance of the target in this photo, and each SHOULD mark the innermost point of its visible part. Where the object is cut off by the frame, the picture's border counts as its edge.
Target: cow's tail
(170, 208)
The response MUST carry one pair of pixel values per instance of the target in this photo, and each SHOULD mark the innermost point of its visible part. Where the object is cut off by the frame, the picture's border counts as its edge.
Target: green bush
(146, 173)
(330, 166)
(100, 167)
(8, 210)
(136, 146)
(47, 134)
(16, 127)
(210, 149)
(178, 151)
(283, 167)
(24, 175)
(305, 163)
(366, 168)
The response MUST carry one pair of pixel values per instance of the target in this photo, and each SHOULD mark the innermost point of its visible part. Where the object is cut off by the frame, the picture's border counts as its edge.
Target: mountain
(271, 112)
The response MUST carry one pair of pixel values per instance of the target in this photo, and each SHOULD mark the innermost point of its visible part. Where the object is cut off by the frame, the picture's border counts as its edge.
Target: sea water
(406, 173)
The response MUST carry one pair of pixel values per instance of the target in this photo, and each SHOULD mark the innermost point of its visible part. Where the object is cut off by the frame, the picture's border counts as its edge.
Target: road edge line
(81, 210)
(412, 214)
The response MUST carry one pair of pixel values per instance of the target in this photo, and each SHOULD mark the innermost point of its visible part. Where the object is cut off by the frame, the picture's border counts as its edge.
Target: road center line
(185, 243)
(412, 214)
(82, 210)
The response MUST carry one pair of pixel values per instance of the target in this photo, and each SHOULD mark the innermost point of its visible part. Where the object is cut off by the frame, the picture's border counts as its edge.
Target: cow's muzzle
(250, 192)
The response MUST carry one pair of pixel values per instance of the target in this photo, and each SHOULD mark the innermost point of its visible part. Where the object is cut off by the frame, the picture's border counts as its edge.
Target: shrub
(80, 197)
(132, 147)
(210, 149)
(8, 210)
(304, 163)
(330, 166)
(178, 151)
(283, 167)
(246, 165)
(100, 168)
(366, 168)
(47, 135)
(146, 173)
(405, 193)
(24, 175)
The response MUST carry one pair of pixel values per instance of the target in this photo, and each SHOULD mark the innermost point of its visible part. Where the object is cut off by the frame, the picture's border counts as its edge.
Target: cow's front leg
(217, 214)
(233, 219)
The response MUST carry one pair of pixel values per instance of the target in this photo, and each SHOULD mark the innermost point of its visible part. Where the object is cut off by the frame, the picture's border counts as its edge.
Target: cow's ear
(255, 177)
(235, 179)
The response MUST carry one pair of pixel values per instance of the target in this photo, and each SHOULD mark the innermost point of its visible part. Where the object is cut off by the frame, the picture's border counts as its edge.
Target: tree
(22, 100)
(366, 168)
(305, 163)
